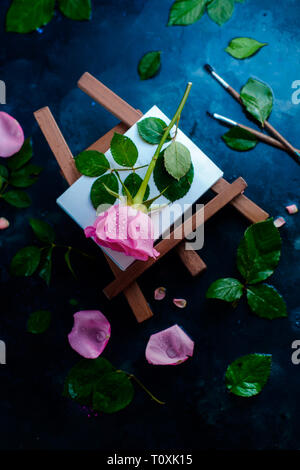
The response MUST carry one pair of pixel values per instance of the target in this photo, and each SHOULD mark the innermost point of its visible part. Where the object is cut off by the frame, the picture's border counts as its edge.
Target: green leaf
(99, 195)
(39, 321)
(241, 48)
(257, 98)
(45, 267)
(133, 183)
(173, 189)
(26, 261)
(76, 9)
(240, 139)
(113, 392)
(68, 261)
(4, 172)
(42, 230)
(22, 157)
(25, 177)
(259, 251)
(17, 198)
(220, 11)
(228, 289)
(185, 12)
(248, 375)
(92, 163)
(80, 381)
(152, 129)
(149, 65)
(123, 150)
(24, 16)
(2, 180)
(266, 302)
(177, 160)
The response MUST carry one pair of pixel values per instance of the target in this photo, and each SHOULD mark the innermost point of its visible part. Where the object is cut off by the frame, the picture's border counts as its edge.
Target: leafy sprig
(18, 173)
(186, 12)
(25, 16)
(38, 259)
(97, 384)
(257, 257)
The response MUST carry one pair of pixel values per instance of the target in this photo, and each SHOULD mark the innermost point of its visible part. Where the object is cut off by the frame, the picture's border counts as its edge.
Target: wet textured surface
(42, 69)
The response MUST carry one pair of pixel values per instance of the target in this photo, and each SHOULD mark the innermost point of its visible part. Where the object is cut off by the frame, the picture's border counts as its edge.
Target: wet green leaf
(25, 176)
(259, 251)
(42, 230)
(257, 98)
(26, 261)
(185, 12)
(4, 172)
(172, 188)
(239, 139)
(241, 48)
(39, 321)
(76, 9)
(25, 16)
(123, 150)
(45, 267)
(22, 157)
(17, 198)
(220, 11)
(68, 261)
(177, 160)
(152, 129)
(133, 183)
(92, 163)
(266, 302)
(112, 392)
(228, 289)
(248, 375)
(149, 65)
(99, 195)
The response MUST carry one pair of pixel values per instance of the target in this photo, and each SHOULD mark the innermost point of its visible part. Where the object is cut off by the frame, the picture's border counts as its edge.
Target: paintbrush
(295, 154)
(259, 135)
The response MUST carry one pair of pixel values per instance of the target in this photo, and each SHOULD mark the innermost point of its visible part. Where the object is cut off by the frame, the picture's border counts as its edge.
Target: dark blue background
(42, 69)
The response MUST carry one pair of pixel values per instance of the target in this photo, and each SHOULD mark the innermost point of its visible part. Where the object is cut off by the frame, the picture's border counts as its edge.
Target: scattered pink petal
(169, 347)
(180, 303)
(279, 222)
(160, 293)
(90, 333)
(4, 223)
(292, 209)
(11, 135)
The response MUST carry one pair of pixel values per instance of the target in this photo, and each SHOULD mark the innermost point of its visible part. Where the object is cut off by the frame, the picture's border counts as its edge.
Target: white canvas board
(75, 201)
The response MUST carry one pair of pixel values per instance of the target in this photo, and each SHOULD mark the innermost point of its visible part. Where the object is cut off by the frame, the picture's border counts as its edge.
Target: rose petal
(11, 135)
(292, 209)
(160, 293)
(4, 223)
(90, 333)
(181, 303)
(279, 222)
(169, 347)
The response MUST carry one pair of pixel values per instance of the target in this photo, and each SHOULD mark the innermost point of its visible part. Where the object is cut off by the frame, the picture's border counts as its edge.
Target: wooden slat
(57, 144)
(194, 264)
(108, 99)
(165, 245)
(245, 206)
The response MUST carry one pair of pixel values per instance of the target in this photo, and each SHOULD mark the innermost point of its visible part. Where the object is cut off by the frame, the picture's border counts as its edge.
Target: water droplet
(171, 352)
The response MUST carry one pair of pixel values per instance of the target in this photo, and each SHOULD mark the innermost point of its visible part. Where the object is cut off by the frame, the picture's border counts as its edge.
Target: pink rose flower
(124, 229)
(90, 333)
(11, 135)
(169, 347)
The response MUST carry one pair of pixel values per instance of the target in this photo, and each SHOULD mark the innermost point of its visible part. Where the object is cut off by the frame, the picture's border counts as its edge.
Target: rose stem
(138, 199)
(131, 376)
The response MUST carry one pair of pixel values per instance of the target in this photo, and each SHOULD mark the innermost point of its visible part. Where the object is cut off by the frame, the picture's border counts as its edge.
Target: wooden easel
(226, 193)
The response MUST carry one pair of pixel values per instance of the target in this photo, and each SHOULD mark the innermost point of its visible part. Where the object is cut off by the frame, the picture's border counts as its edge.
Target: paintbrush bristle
(208, 68)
